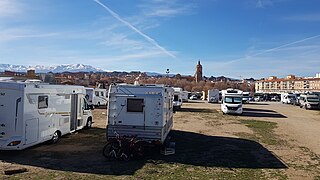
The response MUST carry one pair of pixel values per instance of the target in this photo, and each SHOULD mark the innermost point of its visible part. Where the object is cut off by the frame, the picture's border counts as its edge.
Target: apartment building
(291, 83)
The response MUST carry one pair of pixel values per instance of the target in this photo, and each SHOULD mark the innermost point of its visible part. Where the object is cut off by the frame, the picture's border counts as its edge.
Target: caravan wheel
(89, 123)
(55, 137)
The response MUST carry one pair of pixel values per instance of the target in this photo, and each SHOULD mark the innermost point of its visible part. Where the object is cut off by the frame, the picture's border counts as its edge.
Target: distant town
(198, 82)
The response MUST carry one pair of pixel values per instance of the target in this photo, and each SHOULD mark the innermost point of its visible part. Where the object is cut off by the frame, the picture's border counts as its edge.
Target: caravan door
(74, 112)
(76, 116)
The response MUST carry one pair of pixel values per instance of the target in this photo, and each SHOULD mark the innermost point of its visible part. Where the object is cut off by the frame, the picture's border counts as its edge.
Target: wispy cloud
(293, 62)
(122, 43)
(299, 57)
(16, 34)
(9, 8)
(164, 8)
(148, 38)
(274, 49)
(126, 57)
(315, 17)
(263, 3)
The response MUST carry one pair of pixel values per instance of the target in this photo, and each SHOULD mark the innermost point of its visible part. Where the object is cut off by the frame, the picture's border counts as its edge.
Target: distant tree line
(192, 86)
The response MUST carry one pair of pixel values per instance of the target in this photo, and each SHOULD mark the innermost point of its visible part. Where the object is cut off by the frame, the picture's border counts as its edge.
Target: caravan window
(102, 94)
(97, 93)
(135, 105)
(42, 102)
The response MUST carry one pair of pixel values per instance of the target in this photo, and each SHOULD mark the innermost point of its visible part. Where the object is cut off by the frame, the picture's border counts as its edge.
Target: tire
(89, 123)
(55, 137)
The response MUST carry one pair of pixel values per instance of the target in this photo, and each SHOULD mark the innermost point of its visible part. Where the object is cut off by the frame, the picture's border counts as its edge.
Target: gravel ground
(269, 141)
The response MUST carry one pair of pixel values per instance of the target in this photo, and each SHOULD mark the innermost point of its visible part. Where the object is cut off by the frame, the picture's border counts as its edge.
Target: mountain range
(54, 69)
(61, 68)
(78, 68)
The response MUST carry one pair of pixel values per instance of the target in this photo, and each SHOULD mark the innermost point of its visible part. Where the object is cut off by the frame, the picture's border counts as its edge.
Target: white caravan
(288, 98)
(97, 97)
(142, 111)
(231, 101)
(184, 96)
(34, 113)
(245, 97)
(213, 96)
(177, 98)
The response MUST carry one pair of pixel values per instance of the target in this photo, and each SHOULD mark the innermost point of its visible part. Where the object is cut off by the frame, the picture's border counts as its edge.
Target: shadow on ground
(251, 112)
(259, 103)
(197, 110)
(191, 149)
(195, 101)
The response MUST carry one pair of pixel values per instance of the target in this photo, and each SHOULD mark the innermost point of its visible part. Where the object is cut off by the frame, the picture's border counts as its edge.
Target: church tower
(198, 74)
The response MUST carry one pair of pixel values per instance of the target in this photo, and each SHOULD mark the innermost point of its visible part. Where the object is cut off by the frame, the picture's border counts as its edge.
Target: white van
(97, 97)
(288, 98)
(177, 98)
(245, 97)
(309, 101)
(213, 96)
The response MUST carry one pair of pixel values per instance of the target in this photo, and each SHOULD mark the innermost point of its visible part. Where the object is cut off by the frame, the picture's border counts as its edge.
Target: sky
(234, 38)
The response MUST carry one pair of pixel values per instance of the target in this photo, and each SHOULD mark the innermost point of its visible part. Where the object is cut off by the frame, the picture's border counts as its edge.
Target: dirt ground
(269, 141)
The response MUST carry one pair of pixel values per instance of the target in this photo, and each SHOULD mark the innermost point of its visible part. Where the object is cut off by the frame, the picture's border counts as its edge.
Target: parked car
(193, 97)
(258, 98)
(275, 98)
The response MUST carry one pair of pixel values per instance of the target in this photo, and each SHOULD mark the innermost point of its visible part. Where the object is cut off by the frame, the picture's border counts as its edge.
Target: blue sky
(248, 38)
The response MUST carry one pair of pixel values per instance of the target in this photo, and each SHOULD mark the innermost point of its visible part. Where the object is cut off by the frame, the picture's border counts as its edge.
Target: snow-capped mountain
(55, 69)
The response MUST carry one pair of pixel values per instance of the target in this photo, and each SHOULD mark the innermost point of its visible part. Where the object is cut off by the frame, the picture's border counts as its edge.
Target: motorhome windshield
(313, 99)
(233, 100)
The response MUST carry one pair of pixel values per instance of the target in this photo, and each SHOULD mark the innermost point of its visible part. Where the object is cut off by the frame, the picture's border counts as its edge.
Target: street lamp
(167, 72)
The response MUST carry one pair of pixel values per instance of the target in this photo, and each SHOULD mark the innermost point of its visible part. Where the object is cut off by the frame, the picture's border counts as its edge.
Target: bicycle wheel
(109, 151)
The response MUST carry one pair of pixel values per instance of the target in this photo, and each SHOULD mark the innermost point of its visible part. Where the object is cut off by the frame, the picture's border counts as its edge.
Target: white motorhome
(288, 98)
(142, 111)
(34, 113)
(97, 97)
(213, 96)
(309, 101)
(184, 96)
(177, 98)
(245, 97)
(231, 101)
